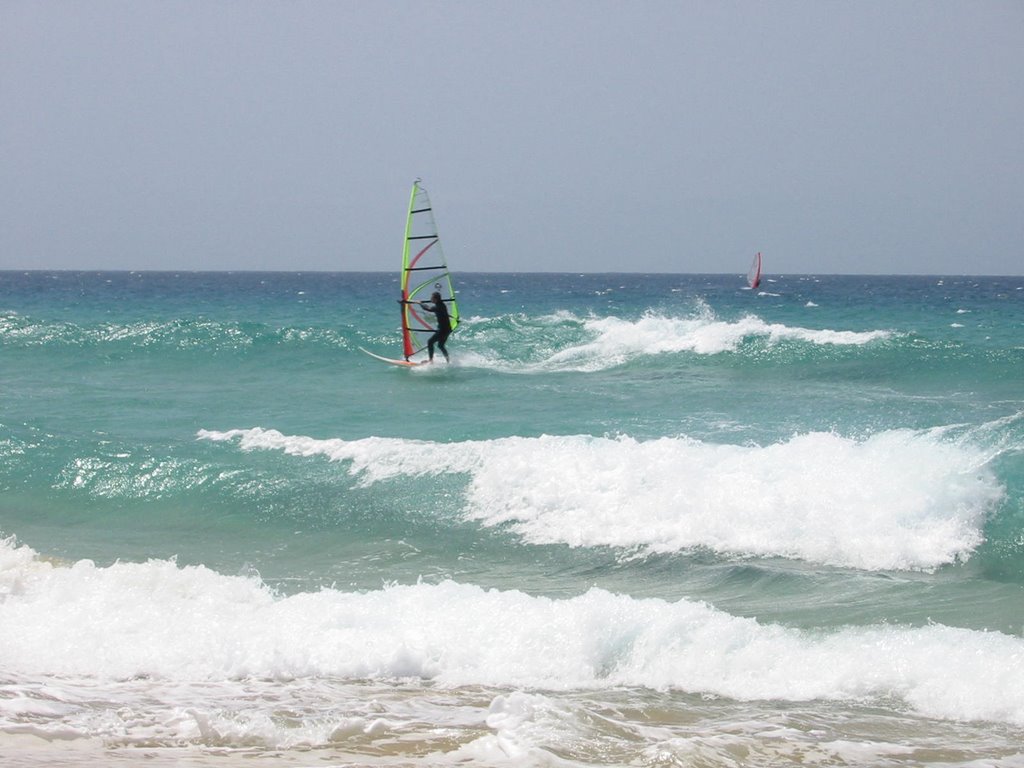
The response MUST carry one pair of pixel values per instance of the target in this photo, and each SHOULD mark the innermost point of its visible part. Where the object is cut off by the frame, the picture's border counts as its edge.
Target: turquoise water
(639, 520)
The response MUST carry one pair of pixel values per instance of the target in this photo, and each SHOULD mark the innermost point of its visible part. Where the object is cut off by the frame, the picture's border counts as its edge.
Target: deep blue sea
(639, 520)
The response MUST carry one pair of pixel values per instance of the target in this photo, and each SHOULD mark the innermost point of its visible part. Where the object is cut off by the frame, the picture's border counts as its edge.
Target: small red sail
(754, 275)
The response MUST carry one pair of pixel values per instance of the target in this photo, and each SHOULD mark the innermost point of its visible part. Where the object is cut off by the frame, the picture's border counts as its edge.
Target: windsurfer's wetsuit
(444, 327)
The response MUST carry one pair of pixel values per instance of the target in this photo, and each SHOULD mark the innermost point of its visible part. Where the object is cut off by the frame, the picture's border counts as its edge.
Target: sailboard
(394, 361)
(754, 273)
(424, 271)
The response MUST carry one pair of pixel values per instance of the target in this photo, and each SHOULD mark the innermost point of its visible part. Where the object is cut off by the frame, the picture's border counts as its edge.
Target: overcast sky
(590, 136)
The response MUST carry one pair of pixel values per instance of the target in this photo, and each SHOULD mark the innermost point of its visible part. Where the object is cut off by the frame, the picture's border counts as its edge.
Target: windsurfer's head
(435, 297)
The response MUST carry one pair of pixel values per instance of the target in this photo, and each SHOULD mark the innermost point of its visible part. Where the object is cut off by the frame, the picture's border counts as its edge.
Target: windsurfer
(444, 325)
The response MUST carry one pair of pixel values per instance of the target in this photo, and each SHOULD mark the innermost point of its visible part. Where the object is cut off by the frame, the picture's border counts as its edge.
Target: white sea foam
(901, 499)
(159, 621)
(708, 335)
(615, 340)
(599, 343)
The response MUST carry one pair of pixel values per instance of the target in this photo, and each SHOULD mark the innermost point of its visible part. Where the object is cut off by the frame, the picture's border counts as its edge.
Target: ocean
(638, 520)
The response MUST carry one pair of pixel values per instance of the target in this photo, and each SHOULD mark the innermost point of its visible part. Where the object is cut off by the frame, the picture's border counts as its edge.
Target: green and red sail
(424, 271)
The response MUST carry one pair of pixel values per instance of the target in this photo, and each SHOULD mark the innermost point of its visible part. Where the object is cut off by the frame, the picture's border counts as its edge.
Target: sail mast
(408, 348)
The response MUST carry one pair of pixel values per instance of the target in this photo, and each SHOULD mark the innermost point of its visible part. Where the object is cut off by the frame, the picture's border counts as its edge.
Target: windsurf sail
(424, 270)
(754, 275)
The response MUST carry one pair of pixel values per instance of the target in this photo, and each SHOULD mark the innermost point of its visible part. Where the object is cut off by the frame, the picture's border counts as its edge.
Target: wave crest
(898, 500)
(189, 623)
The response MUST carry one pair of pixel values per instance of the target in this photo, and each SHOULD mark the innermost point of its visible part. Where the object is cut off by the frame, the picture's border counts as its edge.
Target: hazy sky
(862, 136)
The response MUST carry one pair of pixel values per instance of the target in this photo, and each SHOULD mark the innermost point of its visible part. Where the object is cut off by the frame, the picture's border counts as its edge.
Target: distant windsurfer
(444, 325)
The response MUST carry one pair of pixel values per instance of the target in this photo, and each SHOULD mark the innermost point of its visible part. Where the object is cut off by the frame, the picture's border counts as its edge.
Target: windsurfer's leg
(440, 343)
